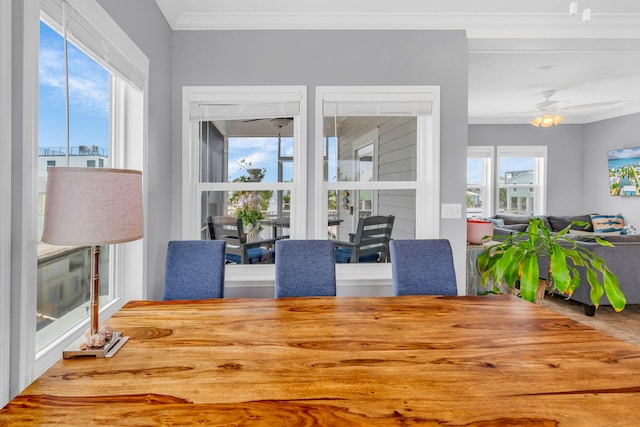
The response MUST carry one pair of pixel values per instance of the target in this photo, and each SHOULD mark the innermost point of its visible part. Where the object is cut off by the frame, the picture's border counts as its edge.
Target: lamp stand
(110, 346)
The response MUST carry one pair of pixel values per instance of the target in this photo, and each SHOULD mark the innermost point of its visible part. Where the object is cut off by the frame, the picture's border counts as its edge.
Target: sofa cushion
(607, 223)
(511, 219)
(558, 223)
(517, 227)
(496, 221)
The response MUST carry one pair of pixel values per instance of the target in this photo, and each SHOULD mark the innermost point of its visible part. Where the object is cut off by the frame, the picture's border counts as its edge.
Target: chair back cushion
(422, 267)
(305, 268)
(194, 269)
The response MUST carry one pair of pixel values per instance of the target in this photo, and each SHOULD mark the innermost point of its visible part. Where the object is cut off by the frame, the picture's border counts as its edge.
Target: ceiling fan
(278, 121)
(549, 112)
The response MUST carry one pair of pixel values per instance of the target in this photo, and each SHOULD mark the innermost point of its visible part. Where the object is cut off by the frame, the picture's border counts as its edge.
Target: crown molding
(477, 25)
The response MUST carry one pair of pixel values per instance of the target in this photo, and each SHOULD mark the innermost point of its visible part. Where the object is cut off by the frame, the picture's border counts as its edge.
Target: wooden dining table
(343, 361)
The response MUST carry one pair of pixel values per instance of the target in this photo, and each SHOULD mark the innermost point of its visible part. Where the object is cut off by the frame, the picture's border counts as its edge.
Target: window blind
(201, 111)
(86, 33)
(376, 108)
(479, 152)
(522, 151)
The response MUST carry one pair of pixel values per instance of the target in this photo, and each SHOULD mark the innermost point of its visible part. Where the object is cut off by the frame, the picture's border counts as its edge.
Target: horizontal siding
(396, 151)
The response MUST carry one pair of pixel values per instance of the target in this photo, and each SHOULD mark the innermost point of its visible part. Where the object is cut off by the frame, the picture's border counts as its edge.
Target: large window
(244, 158)
(521, 180)
(64, 273)
(374, 137)
(91, 114)
(365, 162)
(515, 183)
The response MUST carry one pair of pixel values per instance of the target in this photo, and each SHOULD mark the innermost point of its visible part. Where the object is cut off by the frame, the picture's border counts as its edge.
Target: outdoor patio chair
(194, 270)
(370, 242)
(239, 251)
(422, 267)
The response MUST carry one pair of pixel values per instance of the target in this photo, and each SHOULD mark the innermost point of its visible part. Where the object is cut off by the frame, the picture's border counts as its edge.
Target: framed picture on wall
(624, 172)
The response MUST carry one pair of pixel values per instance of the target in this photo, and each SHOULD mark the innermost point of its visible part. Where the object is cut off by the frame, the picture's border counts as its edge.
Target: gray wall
(147, 27)
(600, 137)
(318, 58)
(565, 156)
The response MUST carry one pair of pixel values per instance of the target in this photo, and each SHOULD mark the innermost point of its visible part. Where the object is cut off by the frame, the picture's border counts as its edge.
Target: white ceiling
(517, 49)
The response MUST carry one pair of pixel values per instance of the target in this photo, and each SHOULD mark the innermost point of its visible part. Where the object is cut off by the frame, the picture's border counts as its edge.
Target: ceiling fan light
(536, 121)
(547, 121)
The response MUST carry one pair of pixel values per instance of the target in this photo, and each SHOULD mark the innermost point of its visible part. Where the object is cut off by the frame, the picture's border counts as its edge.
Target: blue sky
(88, 94)
(260, 152)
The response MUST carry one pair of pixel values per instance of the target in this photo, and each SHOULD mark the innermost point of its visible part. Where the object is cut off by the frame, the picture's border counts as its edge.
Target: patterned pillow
(607, 223)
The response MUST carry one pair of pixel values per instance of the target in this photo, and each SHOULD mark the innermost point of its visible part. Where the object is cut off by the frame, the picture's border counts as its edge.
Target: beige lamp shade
(92, 206)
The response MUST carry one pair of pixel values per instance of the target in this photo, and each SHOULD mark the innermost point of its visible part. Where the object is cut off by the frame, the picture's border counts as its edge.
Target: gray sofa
(623, 259)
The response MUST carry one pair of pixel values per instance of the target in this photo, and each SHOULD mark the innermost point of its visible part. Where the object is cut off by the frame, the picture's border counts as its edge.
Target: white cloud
(259, 152)
(626, 153)
(88, 81)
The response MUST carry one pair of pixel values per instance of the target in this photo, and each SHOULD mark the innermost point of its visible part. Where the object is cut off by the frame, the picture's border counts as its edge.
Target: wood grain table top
(343, 361)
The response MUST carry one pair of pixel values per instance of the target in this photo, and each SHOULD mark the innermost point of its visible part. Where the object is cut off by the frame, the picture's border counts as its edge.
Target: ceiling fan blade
(595, 105)
(513, 119)
(552, 105)
(522, 113)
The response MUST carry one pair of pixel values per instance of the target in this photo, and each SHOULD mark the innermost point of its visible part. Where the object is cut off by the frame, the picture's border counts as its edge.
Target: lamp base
(109, 348)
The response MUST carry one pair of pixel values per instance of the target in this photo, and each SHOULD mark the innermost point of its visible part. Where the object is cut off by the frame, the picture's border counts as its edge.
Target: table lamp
(93, 207)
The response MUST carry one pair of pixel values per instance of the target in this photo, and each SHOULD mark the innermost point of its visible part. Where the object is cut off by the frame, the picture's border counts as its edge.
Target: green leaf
(612, 288)
(529, 278)
(559, 267)
(602, 242)
(596, 287)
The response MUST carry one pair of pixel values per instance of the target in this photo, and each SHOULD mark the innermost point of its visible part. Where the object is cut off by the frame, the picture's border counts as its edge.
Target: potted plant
(516, 260)
(250, 215)
(255, 174)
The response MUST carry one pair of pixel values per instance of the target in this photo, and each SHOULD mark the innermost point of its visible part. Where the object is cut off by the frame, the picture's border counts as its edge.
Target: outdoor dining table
(343, 361)
(283, 223)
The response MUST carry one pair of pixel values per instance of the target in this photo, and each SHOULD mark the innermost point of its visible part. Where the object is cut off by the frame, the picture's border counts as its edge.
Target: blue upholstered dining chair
(422, 267)
(305, 268)
(194, 269)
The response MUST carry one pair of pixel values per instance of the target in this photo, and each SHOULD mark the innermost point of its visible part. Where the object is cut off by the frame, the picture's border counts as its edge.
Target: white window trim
(192, 188)
(426, 185)
(5, 194)
(133, 255)
(486, 153)
(28, 247)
